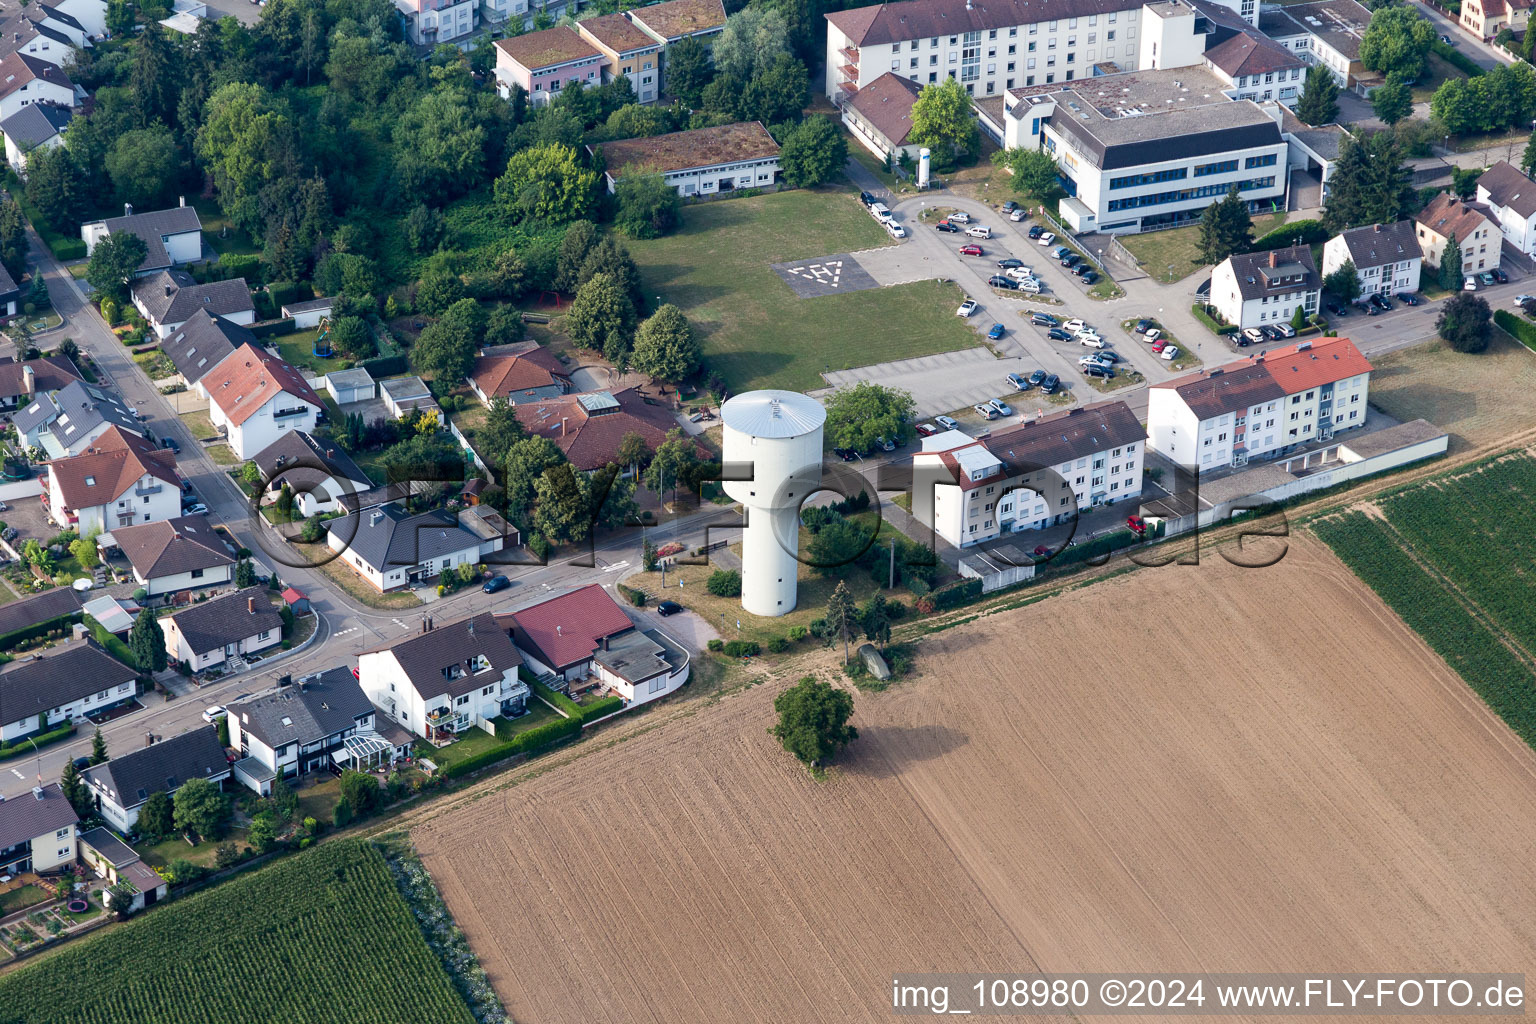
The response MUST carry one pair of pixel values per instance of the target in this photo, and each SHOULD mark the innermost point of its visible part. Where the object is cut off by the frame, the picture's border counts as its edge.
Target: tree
(1465, 322)
(440, 141)
(156, 817)
(425, 228)
(857, 415)
(437, 290)
(115, 259)
(633, 121)
(840, 614)
(119, 896)
(633, 452)
(942, 120)
(509, 274)
(581, 237)
(1464, 181)
(1392, 101)
(813, 720)
(1344, 282)
(84, 550)
(351, 337)
(648, 206)
(564, 504)
(602, 317)
(504, 326)
(342, 816)
(724, 583)
(245, 574)
(444, 352)
(247, 142)
(1225, 228)
(546, 183)
(1397, 41)
(98, 747)
(1036, 174)
(1450, 266)
(753, 38)
(200, 809)
(675, 463)
(1369, 184)
(262, 833)
(143, 165)
(1528, 159)
(666, 346)
(146, 642)
(13, 248)
(776, 93)
(526, 461)
(688, 71)
(875, 618)
(1319, 101)
(361, 791)
(55, 187)
(647, 555)
(611, 498)
(837, 545)
(76, 791)
(609, 256)
(813, 153)
(1299, 318)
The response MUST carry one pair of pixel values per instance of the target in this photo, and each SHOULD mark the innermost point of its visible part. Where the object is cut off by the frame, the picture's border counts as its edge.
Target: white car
(1047, 240)
(1002, 407)
(1020, 273)
(895, 230)
(959, 217)
(195, 510)
(1095, 360)
(880, 212)
(213, 714)
(1521, 300)
(967, 308)
(947, 422)
(1469, 285)
(979, 231)
(1030, 285)
(1018, 214)
(1153, 334)
(1255, 335)
(1091, 340)
(1074, 326)
(1170, 353)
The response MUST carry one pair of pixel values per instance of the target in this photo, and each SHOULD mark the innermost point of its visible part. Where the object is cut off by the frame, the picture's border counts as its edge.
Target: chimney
(1274, 258)
(562, 426)
(167, 291)
(181, 201)
(250, 604)
(605, 642)
(559, 630)
(1376, 228)
(29, 380)
(37, 791)
(330, 453)
(127, 209)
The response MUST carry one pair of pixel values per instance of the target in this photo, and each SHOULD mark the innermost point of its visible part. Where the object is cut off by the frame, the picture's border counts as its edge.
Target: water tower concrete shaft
(777, 437)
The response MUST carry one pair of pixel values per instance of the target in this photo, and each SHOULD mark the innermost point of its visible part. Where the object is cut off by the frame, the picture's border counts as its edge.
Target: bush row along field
(319, 938)
(1500, 678)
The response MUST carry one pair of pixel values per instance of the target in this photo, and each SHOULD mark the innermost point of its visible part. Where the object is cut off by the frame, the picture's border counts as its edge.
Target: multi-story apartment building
(1037, 474)
(1510, 196)
(1327, 32)
(1387, 258)
(429, 22)
(1257, 288)
(631, 52)
(1148, 149)
(1261, 407)
(543, 63)
(1471, 224)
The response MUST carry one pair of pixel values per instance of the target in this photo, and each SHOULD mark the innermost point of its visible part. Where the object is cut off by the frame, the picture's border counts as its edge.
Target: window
(658, 684)
(461, 701)
(486, 691)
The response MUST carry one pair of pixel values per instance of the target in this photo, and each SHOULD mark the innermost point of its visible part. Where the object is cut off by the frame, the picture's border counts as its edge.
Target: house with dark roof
(1386, 257)
(701, 161)
(392, 548)
(1472, 224)
(589, 427)
(35, 126)
(174, 554)
(445, 679)
(1328, 32)
(1510, 196)
(1257, 68)
(119, 480)
(173, 236)
(322, 477)
(23, 381)
(168, 298)
(1256, 288)
(122, 784)
(255, 396)
(60, 685)
(58, 603)
(200, 344)
(25, 80)
(879, 116)
(37, 831)
(114, 860)
(69, 420)
(525, 372)
(542, 63)
(294, 730)
(1037, 474)
(1262, 407)
(224, 630)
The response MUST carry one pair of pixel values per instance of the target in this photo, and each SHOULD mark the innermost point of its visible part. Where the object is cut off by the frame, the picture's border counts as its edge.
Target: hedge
(1456, 58)
(1097, 546)
(24, 745)
(1200, 314)
(1300, 232)
(272, 328)
(532, 741)
(385, 366)
(598, 708)
(957, 595)
(562, 703)
(16, 637)
(114, 646)
(1522, 330)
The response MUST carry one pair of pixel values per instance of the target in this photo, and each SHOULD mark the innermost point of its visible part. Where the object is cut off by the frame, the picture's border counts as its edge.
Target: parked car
(885, 444)
(495, 583)
(1047, 239)
(1101, 370)
(1018, 382)
(979, 231)
(996, 331)
(1255, 335)
(1075, 324)
(1091, 340)
(1010, 263)
(1499, 275)
(1136, 525)
(945, 225)
(866, 198)
(1171, 352)
(1287, 331)
(986, 412)
(1381, 301)
(1521, 300)
(172, 444)
(1043, 320)
(1337, 310)
(1485, 279)
(196, 510)
(1020, 274)
(880, 212)
(1108, 353)
(1060, 252)
(1094, 359)
(966, 308)
(1160, 344)
(999, 281)
(895, 230)
(1035, 231)
(846, 454)
(1001, 407)
(1031, 285)
(960, 217)
(1019, 214)
(1040, 551)
(1153, 333)
(666, 608)
(1010, 206)
(927, 429)
(1050, 384)
(1090, 277)
(1082, 269)
(214, 713)
(1271, 332)
(1071, 259)
(947, 422)
(972, 250)
(1057, 334)
(1143, 326)
(1038, 377)
(1469, 285)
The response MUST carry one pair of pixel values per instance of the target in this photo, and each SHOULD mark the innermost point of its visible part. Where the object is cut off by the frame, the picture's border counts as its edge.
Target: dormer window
(480, 663)
(90, 481)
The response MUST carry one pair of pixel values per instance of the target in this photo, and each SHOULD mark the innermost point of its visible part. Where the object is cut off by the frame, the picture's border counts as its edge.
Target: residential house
(294, 729)
(69, 420)
(631, 52)
(348, 386)
(1487, 18)
(25, 80)
(10, 294)
(391, 548)
(175, 554)
(1260, 407)
(36, 126)
(589, 427)
(90, 15)
(41, 32)
(55, 606)
(323, 478)
(879, 116)
(1386, 257)
(223, 630)
(429, 22)
(1256, 67)
(112, 859)
(255, 396)
(1255, 288)
(173, 236)
(308, 314)
(1038, 474)
(543, 63)
(37, 832)
(1510, 196)
(444, 680)
(525, 372)
(201, 343)
(1472, 225)
(168, 298)
(119, 480)
(59, 685)
(583, 639)
(703, 161)
(21, 382)
(1149, 149)
(1326, 32)
(122, 784)
(404, 394)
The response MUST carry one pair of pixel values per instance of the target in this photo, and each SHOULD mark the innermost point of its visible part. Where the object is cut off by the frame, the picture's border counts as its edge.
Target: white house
(25, 80)
(203, 342)
(446, 679)
(1261, 407)
(391, 548)
(1477, 233)
(255, 396)
(167, 299)
(120, 480)
(59, 685)
(1511, 197)
(429, 22)
(308, 314)
(348, 386)
(323, 478)
(69, 420)
(172, 237)
(175, 554)
(1038, 474)
(37, 831)
(112, 859)
(879, 116)
(293, 730)
(90, 15)
(122, 784)
(1326, 32)
(35, 127)
(704, 161)
(403, 394)
(1257, 288)
(222, 630)
(1387, 258)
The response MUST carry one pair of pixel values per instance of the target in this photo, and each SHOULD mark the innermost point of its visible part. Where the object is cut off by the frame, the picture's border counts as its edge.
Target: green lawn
(222, 236)
(17, 899)
(1180, 247)
(477, 741)
(756, 333)
(176, 848)
(298, 348)
(318, 800)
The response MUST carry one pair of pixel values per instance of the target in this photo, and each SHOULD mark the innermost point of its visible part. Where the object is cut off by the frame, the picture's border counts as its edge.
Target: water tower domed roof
(773, 413)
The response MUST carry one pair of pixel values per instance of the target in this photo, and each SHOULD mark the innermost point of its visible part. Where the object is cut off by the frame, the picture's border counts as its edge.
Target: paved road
(1484, 55)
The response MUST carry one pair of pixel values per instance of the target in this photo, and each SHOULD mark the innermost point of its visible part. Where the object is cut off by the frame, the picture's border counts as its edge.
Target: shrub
(716, 644)
(598, 708)
(1200, 314)
(778, 645)
(957, 595)
(724, 583)
(1298, 232)
(797, 633)
(742, 649)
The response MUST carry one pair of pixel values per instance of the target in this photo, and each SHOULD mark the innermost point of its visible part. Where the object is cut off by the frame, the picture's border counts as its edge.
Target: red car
(356, 674)
(1041, 551)
(927, 429)
(1159, 344)
(971, 250)
(1137, 525)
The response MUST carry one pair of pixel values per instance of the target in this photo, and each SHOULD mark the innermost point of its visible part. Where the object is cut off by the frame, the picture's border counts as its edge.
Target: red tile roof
(886, 104)
(565, 630)
(249, 377)
(1446, 215)
(505, 374)
(107, 469)
(1270, 375)
(591, 440)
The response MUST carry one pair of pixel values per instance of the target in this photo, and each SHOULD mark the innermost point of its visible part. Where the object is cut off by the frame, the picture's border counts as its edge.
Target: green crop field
(321, 937)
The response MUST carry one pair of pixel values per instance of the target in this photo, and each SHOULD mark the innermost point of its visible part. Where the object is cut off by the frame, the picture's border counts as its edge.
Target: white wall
(18, 160)
(180, 650)
(647, 690)
(35, 91)
(74, 709)
(185, 580)
(91, 14)
(1171, 425)
(54, 849)
(262, 427)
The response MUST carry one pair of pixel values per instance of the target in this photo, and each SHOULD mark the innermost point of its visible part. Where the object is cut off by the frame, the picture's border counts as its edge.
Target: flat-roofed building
(701, 162)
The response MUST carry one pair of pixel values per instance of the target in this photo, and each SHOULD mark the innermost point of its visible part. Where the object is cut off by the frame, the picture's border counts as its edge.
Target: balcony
(850, 54)
(142, 491)
(850, 72)
(302, 410)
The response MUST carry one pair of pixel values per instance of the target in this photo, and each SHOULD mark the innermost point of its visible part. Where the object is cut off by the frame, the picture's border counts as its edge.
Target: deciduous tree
(602, 317)
(1397, 41)
(1036, 174)
(813, 153)
(144, 165)
(857, 415)
(1465, 322)
(666, 346)
(563, 511)
(1392, 101)
(200, 809)
(444, 352)
(546, 183)
(813, 720)
(115, 259)
(156, 817)
(943, 121)
(648, 206)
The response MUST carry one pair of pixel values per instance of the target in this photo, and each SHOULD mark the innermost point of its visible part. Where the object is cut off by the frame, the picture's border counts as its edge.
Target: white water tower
(924, 160)
(777, 434)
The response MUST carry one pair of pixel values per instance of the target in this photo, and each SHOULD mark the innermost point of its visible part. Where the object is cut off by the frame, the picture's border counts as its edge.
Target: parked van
(960, 217)
(880, 212)
(979, 231)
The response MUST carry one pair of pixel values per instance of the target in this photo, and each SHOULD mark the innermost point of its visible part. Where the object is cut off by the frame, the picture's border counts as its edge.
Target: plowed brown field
(1193, 768)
